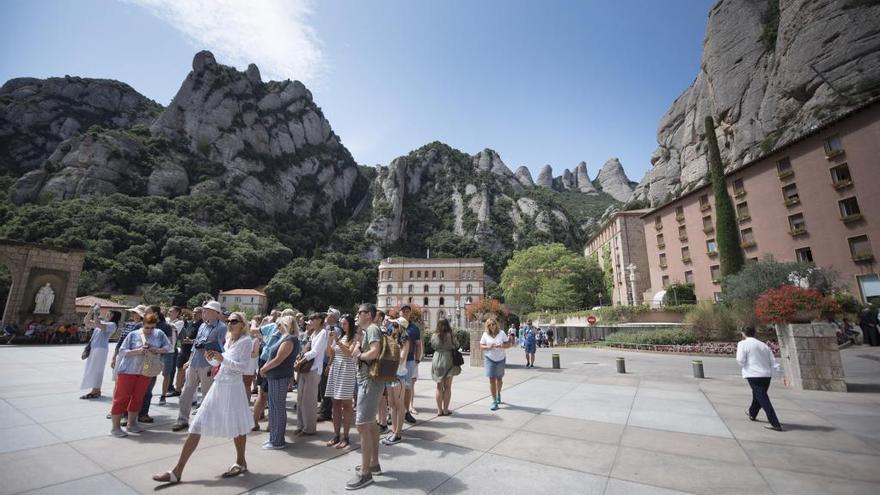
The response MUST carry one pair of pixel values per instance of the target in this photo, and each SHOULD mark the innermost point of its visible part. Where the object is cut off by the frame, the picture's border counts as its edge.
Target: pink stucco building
(814, 198)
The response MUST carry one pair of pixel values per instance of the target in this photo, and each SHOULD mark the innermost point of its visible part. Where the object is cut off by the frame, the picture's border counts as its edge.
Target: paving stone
(44, 466)
(806, 460)
(102, 484)
(620, 487)
(701, 446)
(579, 429)
(580, 455)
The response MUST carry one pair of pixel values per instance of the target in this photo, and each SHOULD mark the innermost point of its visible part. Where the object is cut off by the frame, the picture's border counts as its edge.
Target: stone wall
(811, 357)
(22, 259)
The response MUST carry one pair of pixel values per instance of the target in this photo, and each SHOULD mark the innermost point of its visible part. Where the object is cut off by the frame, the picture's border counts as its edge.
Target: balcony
(744, 219)
(705, 207)
(686, 259)
(740, 194)
(679, 218)
(748, 244)
(711, 254)
(716, 281)
(658, 226)
(833, 153)
(683, 238)
(661, 246)
(708, 230)
(663, 265)
(785, 174)
(798, 231)
(792, 201)
(855, 217)
(842, 184)
(863, 257)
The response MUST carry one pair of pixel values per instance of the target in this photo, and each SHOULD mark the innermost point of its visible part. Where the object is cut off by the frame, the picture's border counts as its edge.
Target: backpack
(384, 367)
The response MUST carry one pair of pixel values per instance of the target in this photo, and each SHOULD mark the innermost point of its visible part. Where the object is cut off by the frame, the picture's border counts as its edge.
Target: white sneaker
(135, 429)
(118, 433)
(269, 446)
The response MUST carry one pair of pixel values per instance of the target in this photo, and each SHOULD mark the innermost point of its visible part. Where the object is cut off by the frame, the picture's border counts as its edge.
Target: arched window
(470, 289)
(388, 302)
(409, 290)
(426, 301)
(441, 288)
(441, 314)
(441, 301)
(433, 273)
(419, 274)
(426, 288)
(388, 289)
(409, 300)
(441, 273)
(468, 300)
(410, 274)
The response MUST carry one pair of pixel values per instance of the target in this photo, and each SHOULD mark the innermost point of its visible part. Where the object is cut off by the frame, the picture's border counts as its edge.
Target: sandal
(333, 441)
(169, 478)
(256, 428)
(91, 395)
(343, 444)
(234, 470)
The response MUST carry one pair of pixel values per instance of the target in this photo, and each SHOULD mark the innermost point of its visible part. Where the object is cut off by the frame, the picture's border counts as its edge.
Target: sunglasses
(234, 320)
(363, 311)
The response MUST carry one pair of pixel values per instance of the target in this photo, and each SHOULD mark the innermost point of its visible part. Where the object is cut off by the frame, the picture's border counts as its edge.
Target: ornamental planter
(810, 356)
(476, 352)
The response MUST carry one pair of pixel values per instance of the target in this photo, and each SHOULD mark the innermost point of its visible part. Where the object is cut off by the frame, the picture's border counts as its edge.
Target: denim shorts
(412, 368)
(169, 363)
(368, 395)
(494, 369)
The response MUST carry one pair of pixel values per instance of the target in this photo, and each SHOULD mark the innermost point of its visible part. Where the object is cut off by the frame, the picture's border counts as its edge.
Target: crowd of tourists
(354, 370)
(45, 332)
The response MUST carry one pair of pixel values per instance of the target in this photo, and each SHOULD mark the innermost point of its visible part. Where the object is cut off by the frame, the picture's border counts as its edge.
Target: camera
(200, 344)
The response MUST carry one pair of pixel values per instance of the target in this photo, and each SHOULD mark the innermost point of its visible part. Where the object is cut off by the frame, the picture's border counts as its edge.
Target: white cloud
(274, 34)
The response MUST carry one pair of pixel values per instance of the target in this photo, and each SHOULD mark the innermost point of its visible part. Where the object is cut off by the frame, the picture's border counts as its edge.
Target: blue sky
(541, 82)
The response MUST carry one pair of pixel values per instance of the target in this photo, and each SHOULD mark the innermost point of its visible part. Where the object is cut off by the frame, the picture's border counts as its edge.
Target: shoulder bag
(305, 366)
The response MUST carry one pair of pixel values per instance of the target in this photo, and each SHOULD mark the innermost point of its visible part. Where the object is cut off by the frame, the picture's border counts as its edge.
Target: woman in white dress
(224, 412)
(93, 375)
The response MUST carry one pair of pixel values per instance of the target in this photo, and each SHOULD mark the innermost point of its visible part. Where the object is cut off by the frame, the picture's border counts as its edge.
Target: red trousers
(129, 393)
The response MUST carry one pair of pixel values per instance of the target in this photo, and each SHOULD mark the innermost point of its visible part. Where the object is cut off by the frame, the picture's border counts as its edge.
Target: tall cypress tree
(726, 226)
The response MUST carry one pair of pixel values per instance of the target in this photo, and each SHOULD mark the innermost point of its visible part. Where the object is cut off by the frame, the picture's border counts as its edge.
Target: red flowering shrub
(783, 304)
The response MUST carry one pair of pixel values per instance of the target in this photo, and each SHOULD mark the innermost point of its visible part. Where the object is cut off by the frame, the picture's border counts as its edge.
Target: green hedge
(654, 337)
(610, 314)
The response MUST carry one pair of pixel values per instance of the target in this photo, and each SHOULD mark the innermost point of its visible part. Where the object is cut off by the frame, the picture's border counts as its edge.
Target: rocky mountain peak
(545, 177)
(613, 180)
(769, 72)
(582, 178)
(225, 130)
(36, 115)
(488, 160)
(524, 176)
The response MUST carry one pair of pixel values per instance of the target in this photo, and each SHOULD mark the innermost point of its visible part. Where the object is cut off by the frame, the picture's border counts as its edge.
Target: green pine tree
(726, 227)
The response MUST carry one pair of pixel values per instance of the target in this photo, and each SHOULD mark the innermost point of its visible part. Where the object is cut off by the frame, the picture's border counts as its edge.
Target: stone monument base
(476, 352)
(811, 357)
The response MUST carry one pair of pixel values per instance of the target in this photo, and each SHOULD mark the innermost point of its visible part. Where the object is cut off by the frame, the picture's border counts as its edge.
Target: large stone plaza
(582, 429)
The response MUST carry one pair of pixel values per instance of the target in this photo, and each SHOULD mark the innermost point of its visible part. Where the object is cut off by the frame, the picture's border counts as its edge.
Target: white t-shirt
(497, 354)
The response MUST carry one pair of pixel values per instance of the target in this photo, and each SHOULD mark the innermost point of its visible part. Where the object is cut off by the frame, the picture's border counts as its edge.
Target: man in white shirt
(758, 365)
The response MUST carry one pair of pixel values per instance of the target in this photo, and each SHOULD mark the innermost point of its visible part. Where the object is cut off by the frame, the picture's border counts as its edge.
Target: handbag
(87, 350)
(457, 358)
(152, 365)
(304, 366)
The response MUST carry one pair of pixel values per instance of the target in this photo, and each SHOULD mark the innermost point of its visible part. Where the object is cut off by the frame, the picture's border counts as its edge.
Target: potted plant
(793, 304)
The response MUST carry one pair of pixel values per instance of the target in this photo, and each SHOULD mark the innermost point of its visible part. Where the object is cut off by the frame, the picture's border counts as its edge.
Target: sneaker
(494, 406)
(751, 418)
(774, 428)
(176, 393)
(135, 429)
(374, 470)
(180, 426)
(118, 433)
(269, 446)
(145, 419)
(383, 428)
(359, 481)
(409, 418)
(498, 398)
(161, 401)
(391, 439)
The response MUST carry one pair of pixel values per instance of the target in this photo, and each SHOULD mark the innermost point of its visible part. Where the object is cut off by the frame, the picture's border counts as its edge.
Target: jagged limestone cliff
(770, 70)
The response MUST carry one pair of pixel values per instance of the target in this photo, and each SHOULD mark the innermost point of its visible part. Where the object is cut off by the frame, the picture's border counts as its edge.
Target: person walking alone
(530, 343)
(493, 342)
(758, 365)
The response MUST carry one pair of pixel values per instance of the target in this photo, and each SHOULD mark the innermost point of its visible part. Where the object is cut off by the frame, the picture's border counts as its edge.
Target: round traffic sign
(591, 320)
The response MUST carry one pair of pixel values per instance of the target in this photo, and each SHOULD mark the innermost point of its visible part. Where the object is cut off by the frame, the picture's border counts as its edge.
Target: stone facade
(813, 199)
(443, 287)
(624, 237)
(31, 266)
(247, 300)
(811, 357)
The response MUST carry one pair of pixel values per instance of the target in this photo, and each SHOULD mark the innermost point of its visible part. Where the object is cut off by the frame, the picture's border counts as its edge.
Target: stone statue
(45, 298)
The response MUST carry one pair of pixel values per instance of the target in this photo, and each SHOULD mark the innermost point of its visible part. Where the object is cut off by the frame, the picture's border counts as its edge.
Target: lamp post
(600, 297)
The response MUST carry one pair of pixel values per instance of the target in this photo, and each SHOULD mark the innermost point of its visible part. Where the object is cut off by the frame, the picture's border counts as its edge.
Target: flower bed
(701, 348)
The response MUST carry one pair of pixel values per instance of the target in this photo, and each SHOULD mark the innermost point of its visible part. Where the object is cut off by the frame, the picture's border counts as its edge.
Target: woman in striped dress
(341, 381)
